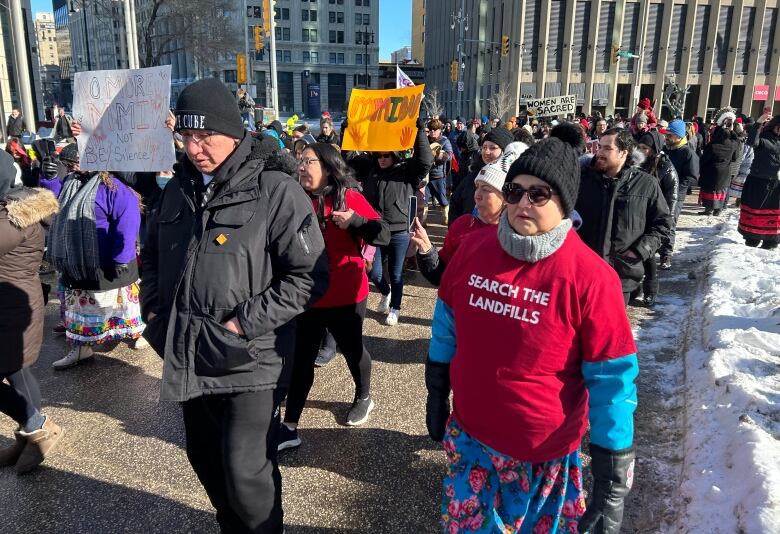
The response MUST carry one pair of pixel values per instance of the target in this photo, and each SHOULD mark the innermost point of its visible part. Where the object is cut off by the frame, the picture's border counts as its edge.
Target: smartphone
(411, 214)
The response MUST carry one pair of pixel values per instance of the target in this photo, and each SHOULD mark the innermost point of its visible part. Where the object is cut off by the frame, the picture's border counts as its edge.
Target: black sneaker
(324, 357)
(288, 439)
(358, 413)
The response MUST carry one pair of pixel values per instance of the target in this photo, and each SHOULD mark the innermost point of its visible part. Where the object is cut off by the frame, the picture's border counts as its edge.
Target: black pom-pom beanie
(556, 161)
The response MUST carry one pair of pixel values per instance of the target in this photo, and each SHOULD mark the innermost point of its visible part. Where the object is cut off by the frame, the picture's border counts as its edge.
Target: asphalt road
(121, 466)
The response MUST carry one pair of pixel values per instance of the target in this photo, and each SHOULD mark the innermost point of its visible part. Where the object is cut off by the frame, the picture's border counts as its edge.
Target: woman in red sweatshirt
(348, 222)
(531, 334)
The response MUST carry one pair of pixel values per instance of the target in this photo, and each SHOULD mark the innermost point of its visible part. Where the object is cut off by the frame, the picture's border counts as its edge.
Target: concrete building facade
(48, 57)
(726, 51)
(418, 31)
(9, 74)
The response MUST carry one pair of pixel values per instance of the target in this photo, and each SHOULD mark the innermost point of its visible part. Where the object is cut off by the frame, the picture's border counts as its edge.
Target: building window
(333, 58)
(311, 57)
(340, 58)
(358, 37)
(230, 76)
(336, 17)
(335, 36)
(358, 19)
(358, 59)
(284, 56)
(282, 34)
(305, 15)
(309, 36)
(366, 19)
(338, 2)
(281, 13)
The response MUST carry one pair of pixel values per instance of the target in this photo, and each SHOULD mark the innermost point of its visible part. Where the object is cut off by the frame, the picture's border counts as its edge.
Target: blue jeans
(395, 253)
(438, 190)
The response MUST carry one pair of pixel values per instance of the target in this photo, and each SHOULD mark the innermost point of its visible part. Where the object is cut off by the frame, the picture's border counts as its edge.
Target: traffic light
(615, 53)
(504, 45)
(454, 71)
(258, 38)
(240, 68)
(268, 15)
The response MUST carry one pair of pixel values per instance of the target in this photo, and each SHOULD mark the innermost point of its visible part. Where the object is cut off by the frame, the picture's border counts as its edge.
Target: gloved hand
(613, 475)
(121, 269)
(344, 125)
(437, 407)
(420, 123)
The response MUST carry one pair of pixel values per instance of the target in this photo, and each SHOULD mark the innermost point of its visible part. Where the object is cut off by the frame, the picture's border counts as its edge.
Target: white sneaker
(392, 317)
(74, 357)
(384, 304)
(140, 344)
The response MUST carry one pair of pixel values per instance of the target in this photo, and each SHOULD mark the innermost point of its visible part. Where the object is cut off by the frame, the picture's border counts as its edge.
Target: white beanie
(494, 174)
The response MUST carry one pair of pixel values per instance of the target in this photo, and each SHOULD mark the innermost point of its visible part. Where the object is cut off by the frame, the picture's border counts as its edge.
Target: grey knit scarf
(73, 237)
(531, 248)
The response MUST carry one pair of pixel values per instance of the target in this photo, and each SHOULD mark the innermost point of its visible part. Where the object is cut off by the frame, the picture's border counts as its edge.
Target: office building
(9, 85)
(726, 51)
(48, 57)
(418, 31)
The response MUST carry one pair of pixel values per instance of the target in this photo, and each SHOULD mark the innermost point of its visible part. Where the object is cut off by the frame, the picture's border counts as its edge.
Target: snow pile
(732, 449)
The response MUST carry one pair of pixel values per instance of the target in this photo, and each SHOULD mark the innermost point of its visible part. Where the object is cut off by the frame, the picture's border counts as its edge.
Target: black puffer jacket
(621, 214)
(686, 163)
(462, 201)
(247, 247)
(668, 180)
(388, 190)
(717, 159)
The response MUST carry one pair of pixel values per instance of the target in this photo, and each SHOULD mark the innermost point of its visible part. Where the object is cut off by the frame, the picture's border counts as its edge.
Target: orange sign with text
(382, 120)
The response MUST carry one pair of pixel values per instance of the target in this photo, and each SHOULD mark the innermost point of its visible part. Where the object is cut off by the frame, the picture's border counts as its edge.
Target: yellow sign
(240, 68)
(382, 120)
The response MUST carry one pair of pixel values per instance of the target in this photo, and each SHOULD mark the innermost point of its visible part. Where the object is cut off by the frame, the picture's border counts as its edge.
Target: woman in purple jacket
(93, 247)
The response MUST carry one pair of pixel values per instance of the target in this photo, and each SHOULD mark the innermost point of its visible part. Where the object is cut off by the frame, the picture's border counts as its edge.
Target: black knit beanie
(209, 105)
(70, 153)
(652, 139)
(500, 136)
(556, 161)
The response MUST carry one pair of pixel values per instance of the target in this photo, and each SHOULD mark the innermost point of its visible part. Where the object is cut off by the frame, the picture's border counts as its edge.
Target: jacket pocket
(628, 269)
(220, 352)
(155, 333)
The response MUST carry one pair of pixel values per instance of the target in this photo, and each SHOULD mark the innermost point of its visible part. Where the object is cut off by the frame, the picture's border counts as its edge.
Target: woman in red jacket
(348, 222)
(531, 333)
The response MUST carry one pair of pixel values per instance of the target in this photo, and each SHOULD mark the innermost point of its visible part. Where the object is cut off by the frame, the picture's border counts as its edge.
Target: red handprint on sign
(406, 137)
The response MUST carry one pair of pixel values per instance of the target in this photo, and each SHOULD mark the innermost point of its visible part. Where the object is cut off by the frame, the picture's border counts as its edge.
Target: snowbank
(732, 445)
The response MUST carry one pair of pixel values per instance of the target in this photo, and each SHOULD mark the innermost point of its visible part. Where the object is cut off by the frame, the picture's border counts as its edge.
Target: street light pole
(367, 36)
(462, 20)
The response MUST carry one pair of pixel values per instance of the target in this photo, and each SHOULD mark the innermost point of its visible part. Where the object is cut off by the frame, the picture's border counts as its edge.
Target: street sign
(460, 87)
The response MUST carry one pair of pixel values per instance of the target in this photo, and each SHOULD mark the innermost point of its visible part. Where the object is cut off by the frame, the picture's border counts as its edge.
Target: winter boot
(10, 455)
(39, 443)
(737, 202)
(752, 242)
(716, 213)
(445, 215)
(649, 300)
(706, 213)
(74, 357)
(769, 245)
(666, 263)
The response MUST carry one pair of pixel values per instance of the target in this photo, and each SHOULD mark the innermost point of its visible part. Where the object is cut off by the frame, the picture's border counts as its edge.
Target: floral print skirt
(94, 317)
(488, 492)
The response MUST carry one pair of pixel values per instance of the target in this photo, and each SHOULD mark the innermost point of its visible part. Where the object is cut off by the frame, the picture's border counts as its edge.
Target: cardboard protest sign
(554, 105)
(122, 115)
(382, 120)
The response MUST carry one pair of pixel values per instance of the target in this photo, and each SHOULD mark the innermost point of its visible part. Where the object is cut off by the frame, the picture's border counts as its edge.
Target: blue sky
(395, 23)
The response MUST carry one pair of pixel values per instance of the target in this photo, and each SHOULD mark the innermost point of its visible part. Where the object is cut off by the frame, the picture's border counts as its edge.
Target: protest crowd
(248, 264)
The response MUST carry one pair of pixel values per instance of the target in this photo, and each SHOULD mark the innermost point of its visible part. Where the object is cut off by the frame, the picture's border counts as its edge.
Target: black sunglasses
(538, 195)
(385, 155)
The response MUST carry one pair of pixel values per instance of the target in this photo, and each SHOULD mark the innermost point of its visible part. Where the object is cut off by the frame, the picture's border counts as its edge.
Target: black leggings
(651, 283)
(345, 323)
(20, 399)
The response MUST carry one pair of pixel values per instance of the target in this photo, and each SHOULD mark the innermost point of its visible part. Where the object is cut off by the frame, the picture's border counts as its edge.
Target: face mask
(162, 181)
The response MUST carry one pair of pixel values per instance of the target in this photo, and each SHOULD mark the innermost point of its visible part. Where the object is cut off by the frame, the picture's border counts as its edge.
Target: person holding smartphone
(388, 181)
(347, 222)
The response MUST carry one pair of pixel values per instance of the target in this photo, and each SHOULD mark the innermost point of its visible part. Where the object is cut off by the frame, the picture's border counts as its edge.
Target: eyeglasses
(203, 137)
(538, 195)
(305, 162)
(385, 155)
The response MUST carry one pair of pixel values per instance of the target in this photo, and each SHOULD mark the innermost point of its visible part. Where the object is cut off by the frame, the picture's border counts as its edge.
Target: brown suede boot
(10, 455)
(38, 445)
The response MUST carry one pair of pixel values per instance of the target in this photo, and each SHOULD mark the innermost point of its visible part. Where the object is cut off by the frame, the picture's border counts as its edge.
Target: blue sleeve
(442, 347)
(612, 401)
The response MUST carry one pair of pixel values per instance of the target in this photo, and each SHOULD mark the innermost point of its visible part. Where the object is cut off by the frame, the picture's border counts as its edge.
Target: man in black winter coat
(624, 215)
(233, 255)
(15, 125)
(717, 159)
(686, 163)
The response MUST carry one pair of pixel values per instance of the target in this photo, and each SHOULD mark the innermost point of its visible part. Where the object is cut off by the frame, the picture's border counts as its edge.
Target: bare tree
(203, 28)
(433, 107)
(500, 103)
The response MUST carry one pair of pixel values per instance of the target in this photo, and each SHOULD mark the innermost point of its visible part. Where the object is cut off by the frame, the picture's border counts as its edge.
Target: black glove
(420, 123)
(437, 408)
(613, 474)
(121, 269)
(344, 125)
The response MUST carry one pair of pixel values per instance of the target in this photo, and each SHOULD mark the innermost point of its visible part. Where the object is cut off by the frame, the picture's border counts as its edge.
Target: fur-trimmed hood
(27, 206)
